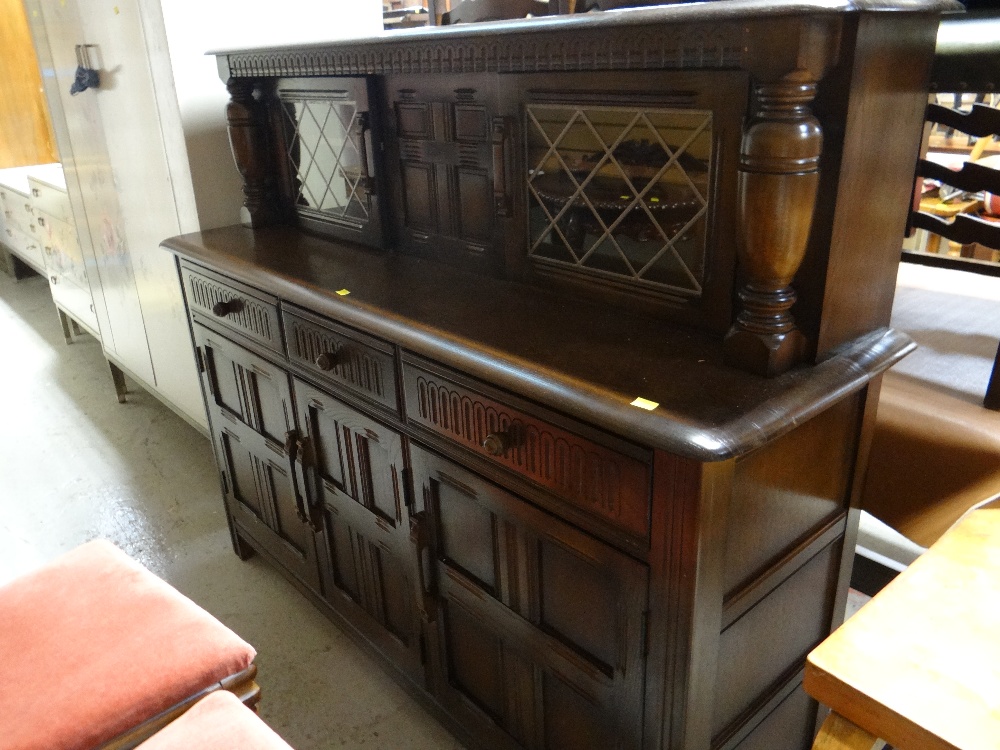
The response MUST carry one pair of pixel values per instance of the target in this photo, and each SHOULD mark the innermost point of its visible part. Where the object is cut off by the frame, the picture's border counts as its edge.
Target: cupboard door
(357, 488)
(250, 409)
(540, 626)
(447, 164)
(330, 175)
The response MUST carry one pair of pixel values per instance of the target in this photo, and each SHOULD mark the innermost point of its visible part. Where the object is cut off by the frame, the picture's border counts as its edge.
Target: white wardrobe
(145, 153)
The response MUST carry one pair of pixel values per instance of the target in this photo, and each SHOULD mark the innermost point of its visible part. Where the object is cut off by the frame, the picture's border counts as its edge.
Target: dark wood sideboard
(546, 359)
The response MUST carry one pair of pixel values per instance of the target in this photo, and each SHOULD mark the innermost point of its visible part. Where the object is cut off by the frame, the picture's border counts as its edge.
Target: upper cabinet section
(695, 162)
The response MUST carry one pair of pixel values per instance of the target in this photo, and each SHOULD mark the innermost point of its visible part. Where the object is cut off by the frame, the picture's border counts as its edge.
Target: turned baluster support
(778, 180)
(248, 140)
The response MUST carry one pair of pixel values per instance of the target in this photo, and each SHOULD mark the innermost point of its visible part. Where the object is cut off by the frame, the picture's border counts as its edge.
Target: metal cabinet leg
(66, 324)
(118, 377)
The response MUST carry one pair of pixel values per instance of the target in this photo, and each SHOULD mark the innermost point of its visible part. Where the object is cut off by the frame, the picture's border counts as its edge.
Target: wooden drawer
(599, 480)
(230, 304)
(51, 200)
(349, 358)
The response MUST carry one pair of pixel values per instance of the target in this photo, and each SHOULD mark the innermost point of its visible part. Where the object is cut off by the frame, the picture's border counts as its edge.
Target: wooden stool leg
(837, 733)
(118, 378)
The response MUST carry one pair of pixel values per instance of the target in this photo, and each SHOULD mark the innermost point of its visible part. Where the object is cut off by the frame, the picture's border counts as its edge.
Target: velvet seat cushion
(219, 722)
(94, 644)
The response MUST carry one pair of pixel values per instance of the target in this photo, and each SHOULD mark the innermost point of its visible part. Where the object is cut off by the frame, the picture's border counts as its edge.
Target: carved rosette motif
(778, 181)
(247, 120)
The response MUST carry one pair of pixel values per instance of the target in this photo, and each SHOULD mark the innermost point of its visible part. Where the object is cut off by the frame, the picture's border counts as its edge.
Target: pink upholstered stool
(96, 651)
(219, 722)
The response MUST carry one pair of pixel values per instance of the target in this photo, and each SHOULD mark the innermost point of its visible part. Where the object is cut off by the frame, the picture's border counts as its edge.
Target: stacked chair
(97, 652)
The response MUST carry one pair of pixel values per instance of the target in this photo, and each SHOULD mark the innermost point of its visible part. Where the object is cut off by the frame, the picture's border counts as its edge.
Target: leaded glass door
(329, 156)
(628, 186)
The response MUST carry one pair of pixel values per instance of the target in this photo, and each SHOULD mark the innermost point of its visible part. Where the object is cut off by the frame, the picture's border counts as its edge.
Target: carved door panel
(250, 408)
(540, 626)
(448, 162)
(357, 488)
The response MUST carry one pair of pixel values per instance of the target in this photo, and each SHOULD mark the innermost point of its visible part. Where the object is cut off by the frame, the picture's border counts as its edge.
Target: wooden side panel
(787, 489)
(888, 94)
(759, 650)
(24, 117)
(792, 724)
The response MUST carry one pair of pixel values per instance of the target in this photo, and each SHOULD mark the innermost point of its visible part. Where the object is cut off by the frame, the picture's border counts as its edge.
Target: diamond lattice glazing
(620, 192)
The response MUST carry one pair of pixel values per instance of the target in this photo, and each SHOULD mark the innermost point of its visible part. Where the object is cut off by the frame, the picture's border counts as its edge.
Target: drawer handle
(498, 443)
(420, 538)
(292, 446)
(41, 221)
(328, 360)
(222, 309)
(27, 207)
(48, 250)
(36, 192)
(54, 279)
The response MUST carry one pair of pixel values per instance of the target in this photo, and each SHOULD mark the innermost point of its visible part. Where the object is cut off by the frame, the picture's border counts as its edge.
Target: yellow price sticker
(644, 403)
(343, 292)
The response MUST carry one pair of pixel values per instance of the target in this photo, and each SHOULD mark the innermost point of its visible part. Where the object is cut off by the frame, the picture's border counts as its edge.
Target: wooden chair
(967, 59)
(219, 722)
(919, 665)
(97, 652)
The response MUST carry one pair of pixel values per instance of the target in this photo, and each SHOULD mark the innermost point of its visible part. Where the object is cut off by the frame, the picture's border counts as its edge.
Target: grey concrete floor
(76, 465)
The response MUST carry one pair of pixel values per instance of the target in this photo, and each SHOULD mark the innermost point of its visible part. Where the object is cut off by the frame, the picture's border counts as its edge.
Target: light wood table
(919, 665)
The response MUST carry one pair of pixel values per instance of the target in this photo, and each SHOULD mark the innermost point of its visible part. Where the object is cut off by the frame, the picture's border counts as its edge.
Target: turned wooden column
(248, 139)
(779, 175)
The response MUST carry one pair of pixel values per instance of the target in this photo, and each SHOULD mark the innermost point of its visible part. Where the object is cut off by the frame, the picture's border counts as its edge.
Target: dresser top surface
(587, 360)
(660, 15)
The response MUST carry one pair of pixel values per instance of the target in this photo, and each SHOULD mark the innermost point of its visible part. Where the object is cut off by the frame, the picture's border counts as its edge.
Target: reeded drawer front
(51, 200)
(233, 305)
(597, 479)
(363, 364)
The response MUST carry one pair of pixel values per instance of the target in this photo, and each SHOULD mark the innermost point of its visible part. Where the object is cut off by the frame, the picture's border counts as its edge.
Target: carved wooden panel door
(447, 157)
(540, 626)
(250, 408)
(358, 491)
